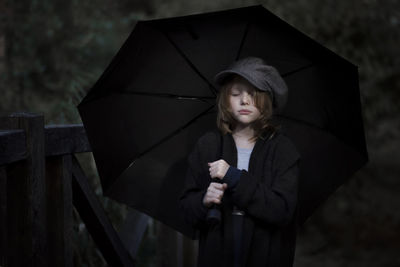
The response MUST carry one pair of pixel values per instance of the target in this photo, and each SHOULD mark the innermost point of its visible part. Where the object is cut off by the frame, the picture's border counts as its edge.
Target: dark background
(52, 51)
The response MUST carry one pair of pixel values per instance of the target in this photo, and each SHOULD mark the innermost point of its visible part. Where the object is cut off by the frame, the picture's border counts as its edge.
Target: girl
(249, 169)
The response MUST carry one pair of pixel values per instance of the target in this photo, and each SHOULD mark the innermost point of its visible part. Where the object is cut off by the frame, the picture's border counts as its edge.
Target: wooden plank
(3, 216)
(96, 220)
(26, 205)
(12, 146)
(59, 207)
(59, 140)
(66, 139)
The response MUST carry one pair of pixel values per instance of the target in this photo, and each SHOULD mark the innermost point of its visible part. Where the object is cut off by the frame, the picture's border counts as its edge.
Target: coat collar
(229, 151)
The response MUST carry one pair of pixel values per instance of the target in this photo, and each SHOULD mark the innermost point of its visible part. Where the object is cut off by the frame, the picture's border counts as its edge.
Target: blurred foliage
(56, 50)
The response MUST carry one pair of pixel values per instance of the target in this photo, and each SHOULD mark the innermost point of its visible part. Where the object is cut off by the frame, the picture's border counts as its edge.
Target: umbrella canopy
(157, 97)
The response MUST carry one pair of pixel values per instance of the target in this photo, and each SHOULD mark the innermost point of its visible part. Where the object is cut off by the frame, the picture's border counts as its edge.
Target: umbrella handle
(214, 212)
(213, 215)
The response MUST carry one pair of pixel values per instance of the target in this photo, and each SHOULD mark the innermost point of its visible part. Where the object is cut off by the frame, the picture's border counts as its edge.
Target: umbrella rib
(297, 70)
(299, 121)
(242, 41)
(212, 88)
(311, 125)
(205, 99)
(175, 132)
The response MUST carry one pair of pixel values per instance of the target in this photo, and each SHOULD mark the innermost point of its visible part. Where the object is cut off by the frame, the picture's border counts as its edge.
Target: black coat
(267, 193)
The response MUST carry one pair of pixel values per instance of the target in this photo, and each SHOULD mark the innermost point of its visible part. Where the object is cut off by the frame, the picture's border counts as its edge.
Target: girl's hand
(218, 168)
(214, 194)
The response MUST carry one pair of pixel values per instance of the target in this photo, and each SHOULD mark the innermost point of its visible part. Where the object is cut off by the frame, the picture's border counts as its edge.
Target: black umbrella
(157, 96)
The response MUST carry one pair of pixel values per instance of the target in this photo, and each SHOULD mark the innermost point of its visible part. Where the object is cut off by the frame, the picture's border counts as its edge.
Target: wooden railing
(40, 182)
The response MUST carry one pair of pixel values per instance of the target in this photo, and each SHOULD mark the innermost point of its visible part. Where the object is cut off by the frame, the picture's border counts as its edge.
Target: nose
(245, 98)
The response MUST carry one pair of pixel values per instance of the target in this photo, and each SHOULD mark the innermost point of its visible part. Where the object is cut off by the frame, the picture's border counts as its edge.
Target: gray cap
(260, 75)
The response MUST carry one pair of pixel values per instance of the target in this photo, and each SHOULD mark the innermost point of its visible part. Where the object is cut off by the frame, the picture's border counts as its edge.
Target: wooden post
(96, 220)
(26, 202)
(59, 210)
(3, 216)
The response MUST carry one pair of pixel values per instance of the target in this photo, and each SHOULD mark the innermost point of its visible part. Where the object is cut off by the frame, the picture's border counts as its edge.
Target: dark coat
(267, 193)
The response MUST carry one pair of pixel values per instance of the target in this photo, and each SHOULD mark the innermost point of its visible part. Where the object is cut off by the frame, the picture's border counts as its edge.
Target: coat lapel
(229, 151)
(248, 224)
(229, 154)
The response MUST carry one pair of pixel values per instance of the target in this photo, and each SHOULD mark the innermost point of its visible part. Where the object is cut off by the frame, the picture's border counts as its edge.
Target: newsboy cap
(260, 75)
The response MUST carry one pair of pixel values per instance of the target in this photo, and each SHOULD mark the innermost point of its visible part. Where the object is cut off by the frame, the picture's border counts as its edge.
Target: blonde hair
(226, 123)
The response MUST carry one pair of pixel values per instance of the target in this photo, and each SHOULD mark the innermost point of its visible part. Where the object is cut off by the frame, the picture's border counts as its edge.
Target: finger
(217, 186)
(211, 170)
(212, 175)
(216, 200)
(216, 174)
(214, 185)
(212, 190)
(213, 163)
(211, 197)
(213, 167)
(215, 196)
(215, 191)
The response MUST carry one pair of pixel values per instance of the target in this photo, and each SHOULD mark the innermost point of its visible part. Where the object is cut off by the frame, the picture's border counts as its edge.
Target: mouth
(244, 111)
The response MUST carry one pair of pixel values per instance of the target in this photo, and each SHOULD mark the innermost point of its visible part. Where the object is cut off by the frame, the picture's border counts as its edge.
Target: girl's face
(241, 99)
